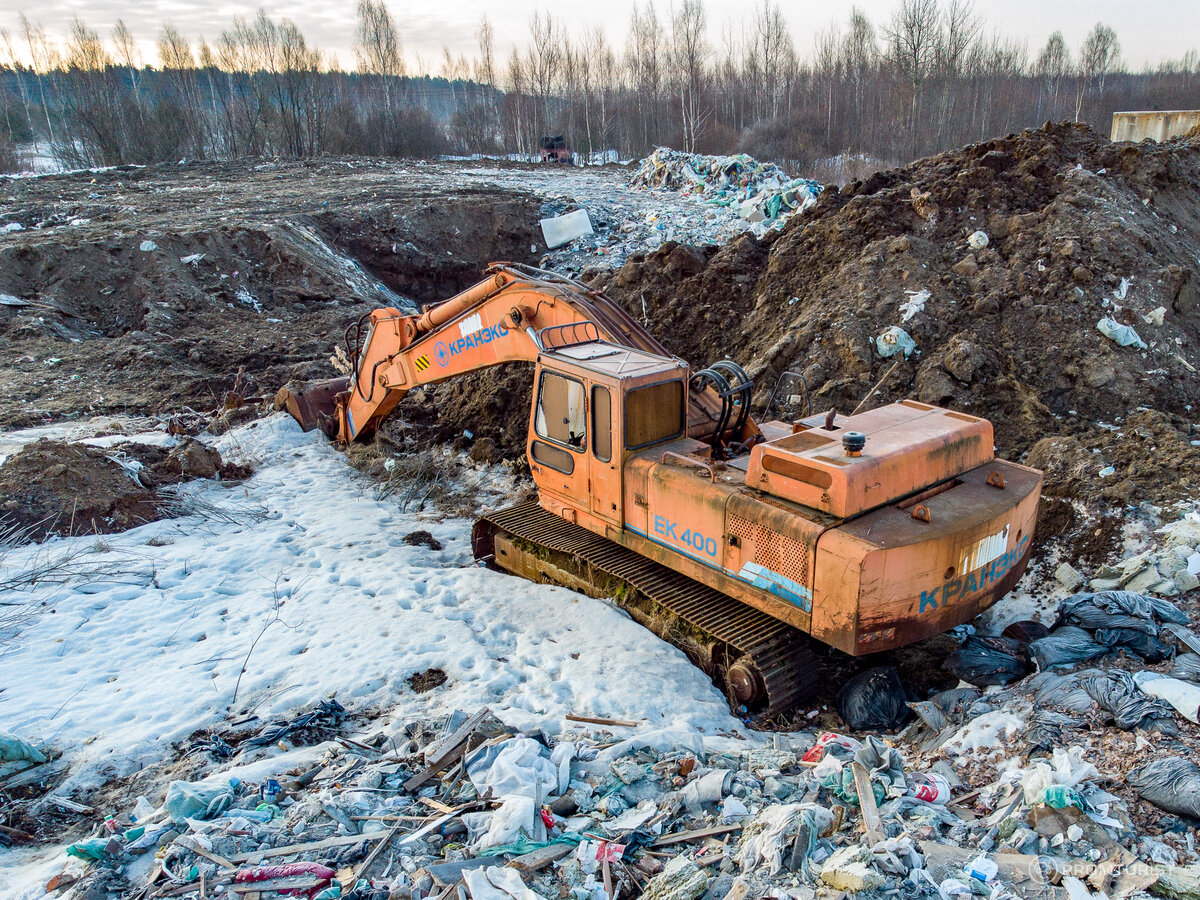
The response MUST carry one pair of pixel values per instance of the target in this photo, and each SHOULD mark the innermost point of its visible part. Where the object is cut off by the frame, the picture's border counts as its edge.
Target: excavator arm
(511, 315)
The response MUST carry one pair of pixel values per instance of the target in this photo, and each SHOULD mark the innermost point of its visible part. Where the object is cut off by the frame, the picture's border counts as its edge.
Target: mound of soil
(1078, 228)
(57, 488)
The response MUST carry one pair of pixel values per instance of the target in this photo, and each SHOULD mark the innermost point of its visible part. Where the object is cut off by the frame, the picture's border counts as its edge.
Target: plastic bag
(1183, 695)
(1138, 642)
(1124, 335)
(884, 765)
(895, 340)
(873, 699)
(1066, 646)
(1171, 783)
(1062, 691)
(188, 800)
(15, 749)
(1187, 667)
(1117, 692)
(986, 661)
(1026, 631)
(1119, 609)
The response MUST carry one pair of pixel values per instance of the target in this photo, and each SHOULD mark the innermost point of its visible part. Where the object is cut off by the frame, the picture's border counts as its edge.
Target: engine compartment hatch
(909, 447)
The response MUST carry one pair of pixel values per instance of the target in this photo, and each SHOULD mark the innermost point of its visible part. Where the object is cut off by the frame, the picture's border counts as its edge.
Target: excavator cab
(597, 403)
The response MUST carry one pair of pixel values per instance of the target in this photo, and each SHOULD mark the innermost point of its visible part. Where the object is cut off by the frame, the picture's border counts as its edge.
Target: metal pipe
(447, 310)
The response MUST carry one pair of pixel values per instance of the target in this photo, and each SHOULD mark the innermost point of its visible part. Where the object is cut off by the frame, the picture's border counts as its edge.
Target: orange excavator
(739, 541)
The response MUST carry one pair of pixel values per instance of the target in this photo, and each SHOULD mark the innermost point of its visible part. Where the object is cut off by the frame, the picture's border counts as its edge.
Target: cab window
(601, 423)
(561, 416)
(653, 414)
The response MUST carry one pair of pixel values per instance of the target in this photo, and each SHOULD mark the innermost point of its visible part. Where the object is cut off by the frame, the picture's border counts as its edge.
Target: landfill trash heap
(466, 806)
(761, 193)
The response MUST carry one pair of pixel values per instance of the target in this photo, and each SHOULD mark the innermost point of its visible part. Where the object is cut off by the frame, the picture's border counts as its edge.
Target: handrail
(707, 467)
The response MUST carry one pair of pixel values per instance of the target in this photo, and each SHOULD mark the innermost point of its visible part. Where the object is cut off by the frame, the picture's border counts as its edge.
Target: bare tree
(689, 59)
(913, 39)
(1099, 55)
(1052, 66)
(45, 60)
(377, 46)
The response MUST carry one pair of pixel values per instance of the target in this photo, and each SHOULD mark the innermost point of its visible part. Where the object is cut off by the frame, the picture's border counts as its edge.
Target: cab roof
(614, 360)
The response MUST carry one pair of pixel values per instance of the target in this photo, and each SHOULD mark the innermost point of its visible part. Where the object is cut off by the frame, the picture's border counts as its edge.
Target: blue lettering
(660, 525)
(670, 532)
(928, 598)
(970, 587)
(951, 590)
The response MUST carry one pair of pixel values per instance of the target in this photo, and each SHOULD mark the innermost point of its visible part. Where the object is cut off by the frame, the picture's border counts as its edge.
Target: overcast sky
(1149, 31)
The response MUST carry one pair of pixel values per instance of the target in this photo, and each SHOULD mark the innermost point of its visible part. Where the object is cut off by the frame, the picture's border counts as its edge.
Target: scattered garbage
(1123, 335)
(988, 660)
(559, 230)
(873, 700)
(762, 193)
(978, 240)
(895, 340)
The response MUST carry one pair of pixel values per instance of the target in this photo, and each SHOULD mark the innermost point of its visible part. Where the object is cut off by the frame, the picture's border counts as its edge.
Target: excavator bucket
(313, 406)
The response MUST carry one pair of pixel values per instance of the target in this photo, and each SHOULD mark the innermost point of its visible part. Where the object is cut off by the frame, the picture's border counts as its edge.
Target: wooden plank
(70, 805)
(442, 748)
(872, 824)
(738, 890)
(696, 834)
(597, 720)
(539, 859)
(190, 843)
(426, 774)
(448, 873)
(371, 857)
(340, 841)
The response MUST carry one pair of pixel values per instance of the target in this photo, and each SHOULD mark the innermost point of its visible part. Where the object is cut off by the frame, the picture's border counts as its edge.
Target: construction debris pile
(761, 193)
(467, 805)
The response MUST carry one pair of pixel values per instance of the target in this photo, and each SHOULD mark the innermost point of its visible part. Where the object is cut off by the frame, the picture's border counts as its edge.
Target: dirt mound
(146, 290)
(57, 488)
(1077, 229)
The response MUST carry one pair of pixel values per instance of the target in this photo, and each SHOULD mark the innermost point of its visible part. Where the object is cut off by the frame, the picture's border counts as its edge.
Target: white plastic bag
(1181, 695)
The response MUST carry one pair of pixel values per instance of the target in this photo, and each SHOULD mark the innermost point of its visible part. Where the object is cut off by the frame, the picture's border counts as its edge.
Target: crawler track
(762, 664)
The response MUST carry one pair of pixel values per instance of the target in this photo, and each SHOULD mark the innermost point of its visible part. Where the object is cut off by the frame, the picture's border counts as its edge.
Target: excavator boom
(512, 315)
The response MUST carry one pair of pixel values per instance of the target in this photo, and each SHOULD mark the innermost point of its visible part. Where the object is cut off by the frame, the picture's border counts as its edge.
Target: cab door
(558, 443)
(606, 452)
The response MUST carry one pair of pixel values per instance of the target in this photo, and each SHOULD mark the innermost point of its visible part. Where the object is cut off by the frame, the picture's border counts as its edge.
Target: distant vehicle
(555, 150)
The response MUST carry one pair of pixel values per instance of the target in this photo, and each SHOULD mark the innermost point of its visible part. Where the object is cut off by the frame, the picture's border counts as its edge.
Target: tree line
(926, 79)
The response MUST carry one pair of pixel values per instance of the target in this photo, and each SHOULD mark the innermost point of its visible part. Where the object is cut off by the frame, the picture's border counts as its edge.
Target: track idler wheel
(745, 683)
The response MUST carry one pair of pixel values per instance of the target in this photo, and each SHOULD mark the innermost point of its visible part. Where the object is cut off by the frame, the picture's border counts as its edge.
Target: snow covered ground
(309, 568)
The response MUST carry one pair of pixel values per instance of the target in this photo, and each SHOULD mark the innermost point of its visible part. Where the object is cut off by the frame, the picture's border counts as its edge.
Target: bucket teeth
(314, 405)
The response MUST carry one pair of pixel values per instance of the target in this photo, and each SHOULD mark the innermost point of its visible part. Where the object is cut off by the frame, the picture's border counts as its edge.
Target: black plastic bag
(1062, 691)
(985, 661)
(1187, 667)
(1171, 783)
(1066, 646)
(1119, 609)
(1117, 692)
(874, 699)
(1135, 641)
